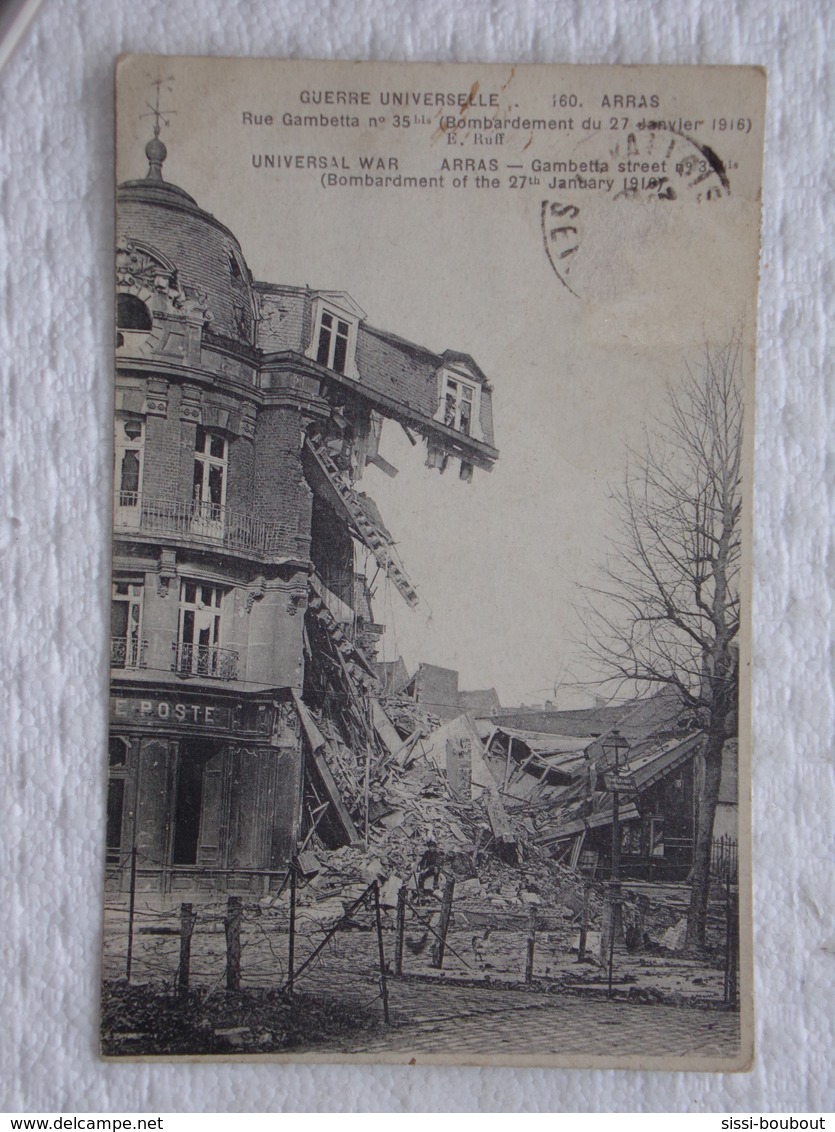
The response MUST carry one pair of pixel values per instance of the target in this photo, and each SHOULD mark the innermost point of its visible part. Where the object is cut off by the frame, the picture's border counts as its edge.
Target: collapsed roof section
(586, 805)
(529, 765)
(553, 780)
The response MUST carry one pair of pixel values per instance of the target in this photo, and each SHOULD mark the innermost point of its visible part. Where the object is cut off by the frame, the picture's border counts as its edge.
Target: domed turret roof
(206, 255)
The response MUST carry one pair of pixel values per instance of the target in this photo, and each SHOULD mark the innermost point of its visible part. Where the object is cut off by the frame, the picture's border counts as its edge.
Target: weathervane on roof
(155, 150)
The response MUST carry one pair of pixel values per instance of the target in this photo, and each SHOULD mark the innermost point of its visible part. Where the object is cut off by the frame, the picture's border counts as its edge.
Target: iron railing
(724, 859)
(205, 660)
(200, 522)
(127, 652)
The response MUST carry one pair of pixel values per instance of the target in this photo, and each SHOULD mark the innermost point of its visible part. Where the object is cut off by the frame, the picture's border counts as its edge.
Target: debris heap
(420, 804)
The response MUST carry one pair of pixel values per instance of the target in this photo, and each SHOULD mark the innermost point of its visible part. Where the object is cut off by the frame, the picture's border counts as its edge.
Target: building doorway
(201, 804)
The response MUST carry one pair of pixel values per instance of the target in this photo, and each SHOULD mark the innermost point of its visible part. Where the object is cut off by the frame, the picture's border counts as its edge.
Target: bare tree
(667, 611)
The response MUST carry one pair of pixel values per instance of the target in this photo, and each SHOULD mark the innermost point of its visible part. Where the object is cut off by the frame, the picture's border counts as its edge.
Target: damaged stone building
(243, 636)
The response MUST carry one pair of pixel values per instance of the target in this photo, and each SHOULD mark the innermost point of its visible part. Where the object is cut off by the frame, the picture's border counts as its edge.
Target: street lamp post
(615, 748)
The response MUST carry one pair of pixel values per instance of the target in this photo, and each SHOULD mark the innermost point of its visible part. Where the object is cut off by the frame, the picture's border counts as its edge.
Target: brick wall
(402, 371)
(187, 445)
(409, 373)
(240, 486)
(281, 494)
(161, 478)
(282, 318)
(437, 688)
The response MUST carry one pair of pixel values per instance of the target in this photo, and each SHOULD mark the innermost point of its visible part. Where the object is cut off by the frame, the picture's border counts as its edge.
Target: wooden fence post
(232, 923)
(443, 925)
(187, 922)
(531, 945)
(131, 908)
(331, 932)
(378, 917)
(584, 926)
(291, 942)
(401, 931)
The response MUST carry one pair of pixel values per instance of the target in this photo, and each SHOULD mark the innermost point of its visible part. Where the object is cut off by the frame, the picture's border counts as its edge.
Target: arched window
(132, 313)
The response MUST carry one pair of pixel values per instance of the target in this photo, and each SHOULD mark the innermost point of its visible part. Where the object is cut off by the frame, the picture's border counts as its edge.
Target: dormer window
(336, 319)
(333, 342)
(459, 403)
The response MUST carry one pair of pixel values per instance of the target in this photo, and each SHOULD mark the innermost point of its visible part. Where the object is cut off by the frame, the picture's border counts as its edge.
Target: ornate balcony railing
(205, 660)
(127, 652)
(199, 522)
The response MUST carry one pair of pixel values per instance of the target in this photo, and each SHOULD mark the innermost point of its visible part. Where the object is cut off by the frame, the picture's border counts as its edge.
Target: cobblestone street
(478, 1021)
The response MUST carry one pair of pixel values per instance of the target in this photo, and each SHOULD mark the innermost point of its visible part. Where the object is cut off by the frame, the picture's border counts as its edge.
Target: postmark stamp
(655, 162)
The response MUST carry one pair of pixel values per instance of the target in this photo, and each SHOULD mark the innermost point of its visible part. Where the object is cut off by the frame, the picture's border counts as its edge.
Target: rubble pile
(408, 717)
(420, 835)
(421, 807)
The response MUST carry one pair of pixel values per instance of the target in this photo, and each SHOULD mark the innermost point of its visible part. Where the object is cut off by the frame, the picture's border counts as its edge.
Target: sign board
(622, 783)
(179, 711)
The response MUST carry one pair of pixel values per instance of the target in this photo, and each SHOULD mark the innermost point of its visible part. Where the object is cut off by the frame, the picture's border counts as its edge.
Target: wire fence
(330, 947)
(349, 944)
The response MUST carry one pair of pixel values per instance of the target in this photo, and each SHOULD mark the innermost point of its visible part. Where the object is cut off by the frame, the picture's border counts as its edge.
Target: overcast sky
(575, 379)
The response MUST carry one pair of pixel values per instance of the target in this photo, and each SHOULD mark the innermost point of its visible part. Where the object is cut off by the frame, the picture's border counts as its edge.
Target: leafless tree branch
(666, 610)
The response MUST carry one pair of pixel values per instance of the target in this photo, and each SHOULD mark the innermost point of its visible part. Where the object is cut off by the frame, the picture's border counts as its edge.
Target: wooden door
(214, 808)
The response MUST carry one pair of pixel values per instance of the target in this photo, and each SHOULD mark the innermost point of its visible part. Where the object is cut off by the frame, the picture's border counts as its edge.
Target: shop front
(204, 791)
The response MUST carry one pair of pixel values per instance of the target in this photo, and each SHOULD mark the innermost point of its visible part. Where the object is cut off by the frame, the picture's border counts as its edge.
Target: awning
(364, 519)
(659, 763)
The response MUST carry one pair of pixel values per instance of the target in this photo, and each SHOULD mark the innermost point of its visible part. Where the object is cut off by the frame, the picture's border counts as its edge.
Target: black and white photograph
(415, 571)
(429, 714)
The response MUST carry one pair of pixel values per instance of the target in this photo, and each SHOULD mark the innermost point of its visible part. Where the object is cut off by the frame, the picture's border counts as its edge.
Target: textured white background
(56, 249)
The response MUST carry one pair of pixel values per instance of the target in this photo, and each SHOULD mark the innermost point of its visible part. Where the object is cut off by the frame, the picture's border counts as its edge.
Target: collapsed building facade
(243, 636)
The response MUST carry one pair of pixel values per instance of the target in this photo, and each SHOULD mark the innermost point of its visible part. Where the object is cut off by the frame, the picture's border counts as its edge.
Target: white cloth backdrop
(56, 247)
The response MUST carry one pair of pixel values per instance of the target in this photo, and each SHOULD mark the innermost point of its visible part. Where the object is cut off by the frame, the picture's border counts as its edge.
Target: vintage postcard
(429, 704)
